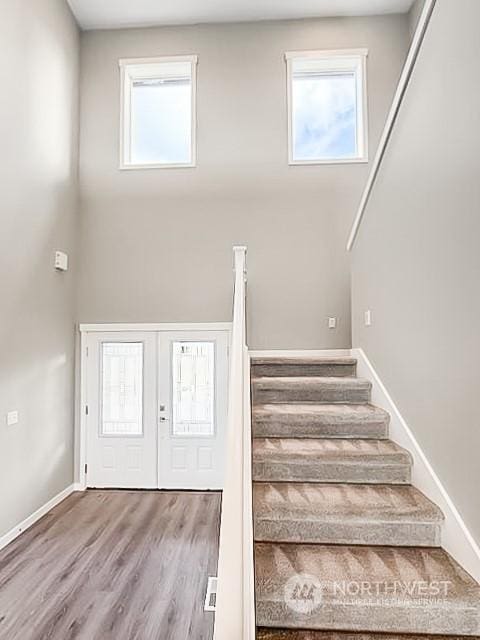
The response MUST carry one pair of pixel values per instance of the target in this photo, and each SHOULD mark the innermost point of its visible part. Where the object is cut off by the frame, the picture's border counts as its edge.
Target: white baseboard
(300, 353)
(456, 538)
(34, 517)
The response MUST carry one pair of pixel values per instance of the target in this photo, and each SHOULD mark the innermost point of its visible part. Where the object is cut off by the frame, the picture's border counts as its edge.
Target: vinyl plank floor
(113, 565)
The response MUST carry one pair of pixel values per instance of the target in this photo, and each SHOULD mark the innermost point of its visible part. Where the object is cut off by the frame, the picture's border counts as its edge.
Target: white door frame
(85, 329)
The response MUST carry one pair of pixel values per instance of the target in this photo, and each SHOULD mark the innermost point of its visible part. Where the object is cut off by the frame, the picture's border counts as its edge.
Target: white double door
(156, 409)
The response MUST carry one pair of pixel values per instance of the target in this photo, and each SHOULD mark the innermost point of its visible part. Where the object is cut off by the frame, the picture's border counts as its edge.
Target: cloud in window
(324, 116)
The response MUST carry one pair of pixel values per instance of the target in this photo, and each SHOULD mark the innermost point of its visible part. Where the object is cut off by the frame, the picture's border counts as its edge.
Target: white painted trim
(301, 163)
(82, 436)
(235, 605)
(125, 62)
(360, 68)
(404, 81)
(35, 517)
(125, 65)
(249, 621)
(155, 326)
(326, 53)
(145, 167)
(456, 538)
(300, 353)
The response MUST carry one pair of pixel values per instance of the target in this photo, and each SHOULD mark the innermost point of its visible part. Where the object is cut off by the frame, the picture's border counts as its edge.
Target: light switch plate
(368, 318)
(12, 418)
(332, 323)
(61, 261)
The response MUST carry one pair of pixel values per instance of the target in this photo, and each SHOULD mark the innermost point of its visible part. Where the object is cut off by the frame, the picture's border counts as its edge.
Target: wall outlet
(61, 261)
(332, 323)
(368, 318)
(12, 418)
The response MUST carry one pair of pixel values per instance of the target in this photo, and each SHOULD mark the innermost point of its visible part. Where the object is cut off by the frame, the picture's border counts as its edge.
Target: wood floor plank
(113, 565)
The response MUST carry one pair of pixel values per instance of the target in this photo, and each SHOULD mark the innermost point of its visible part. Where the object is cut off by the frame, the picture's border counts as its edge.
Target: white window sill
(140, 167)
(296, 163)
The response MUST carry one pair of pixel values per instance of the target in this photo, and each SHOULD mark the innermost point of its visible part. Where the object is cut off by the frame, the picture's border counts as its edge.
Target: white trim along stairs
(345, 544)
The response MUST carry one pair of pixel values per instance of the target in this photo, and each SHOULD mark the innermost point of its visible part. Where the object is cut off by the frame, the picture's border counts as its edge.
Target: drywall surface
(414, 15)
(38, 214)
(416, 262)
(156, 244)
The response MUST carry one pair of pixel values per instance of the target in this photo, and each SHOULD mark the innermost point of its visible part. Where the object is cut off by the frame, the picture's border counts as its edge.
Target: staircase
(345, 546)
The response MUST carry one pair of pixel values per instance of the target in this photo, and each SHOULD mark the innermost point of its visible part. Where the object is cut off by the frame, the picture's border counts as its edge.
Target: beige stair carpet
(345, 547)
(345, 514)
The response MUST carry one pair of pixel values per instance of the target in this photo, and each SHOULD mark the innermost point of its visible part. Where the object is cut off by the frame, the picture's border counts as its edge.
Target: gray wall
(416, 263)
(414, 15)
(156, 245)
(38, 130)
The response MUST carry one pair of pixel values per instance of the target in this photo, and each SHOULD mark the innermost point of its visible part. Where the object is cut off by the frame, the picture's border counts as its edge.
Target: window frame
(132, 68)
(334, 60)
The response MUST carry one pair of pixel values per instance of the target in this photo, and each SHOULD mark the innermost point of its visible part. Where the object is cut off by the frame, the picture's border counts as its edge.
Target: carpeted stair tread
(330, 460)
(345, 514)
(319, 421)
(306, 389)
(395, 589)
(304, 366)
(292, 634)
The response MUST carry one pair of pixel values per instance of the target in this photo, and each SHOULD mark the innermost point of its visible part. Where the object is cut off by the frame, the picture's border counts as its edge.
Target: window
(193, 388)
(158, 112)
(122, 389)
(327, 106)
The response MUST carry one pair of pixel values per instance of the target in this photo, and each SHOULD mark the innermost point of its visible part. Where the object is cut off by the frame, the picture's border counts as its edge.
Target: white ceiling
(115, 14)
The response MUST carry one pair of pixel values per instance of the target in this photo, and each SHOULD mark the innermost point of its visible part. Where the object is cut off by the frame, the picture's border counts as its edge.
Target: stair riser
(368, 533)
(283, 370)
(331, 472)
(389, 619)
(309, 429)
(318, 395)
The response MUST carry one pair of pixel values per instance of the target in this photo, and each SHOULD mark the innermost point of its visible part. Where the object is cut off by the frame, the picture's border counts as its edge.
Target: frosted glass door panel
(193, 367)
(122, 389)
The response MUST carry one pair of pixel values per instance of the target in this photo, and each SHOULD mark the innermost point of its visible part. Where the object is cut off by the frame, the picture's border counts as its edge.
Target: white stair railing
(235, 603)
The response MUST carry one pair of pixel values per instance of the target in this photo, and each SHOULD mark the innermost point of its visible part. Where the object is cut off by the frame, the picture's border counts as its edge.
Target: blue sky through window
(324, 116)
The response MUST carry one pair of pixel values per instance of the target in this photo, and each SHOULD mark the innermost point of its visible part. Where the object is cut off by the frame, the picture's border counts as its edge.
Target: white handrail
(235, 607)
(412, 56)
